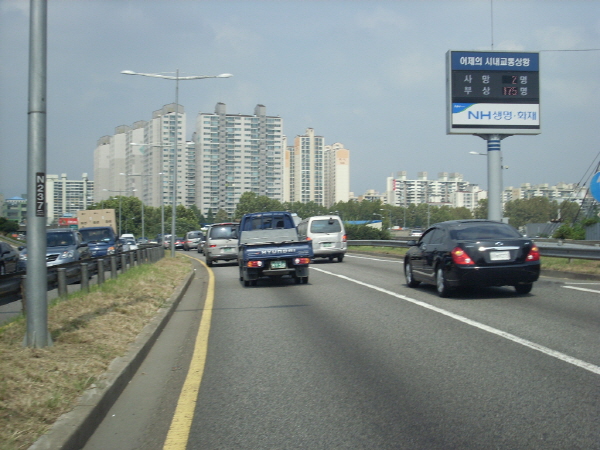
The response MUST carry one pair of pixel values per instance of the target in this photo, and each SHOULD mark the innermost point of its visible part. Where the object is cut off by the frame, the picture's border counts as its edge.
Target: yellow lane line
(179, 431)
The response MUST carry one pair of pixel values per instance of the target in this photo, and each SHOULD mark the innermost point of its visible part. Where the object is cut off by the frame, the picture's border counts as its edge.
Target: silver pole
(494, 157)
(36, 301)
(173, 214)
(143, 229)
(162, 210)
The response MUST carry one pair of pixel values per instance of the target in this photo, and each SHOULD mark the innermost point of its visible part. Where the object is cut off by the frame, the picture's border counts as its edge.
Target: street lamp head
(225, 75)
(128, 72)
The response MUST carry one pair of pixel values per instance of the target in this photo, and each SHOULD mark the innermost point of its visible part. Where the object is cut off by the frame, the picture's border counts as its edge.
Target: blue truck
(268, 246)
(102, 241)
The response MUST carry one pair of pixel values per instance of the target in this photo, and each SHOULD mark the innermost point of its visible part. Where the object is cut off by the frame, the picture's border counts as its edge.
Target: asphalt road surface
(357, 360)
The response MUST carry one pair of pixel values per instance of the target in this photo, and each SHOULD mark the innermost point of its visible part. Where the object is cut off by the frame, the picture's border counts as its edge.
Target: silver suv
(193, 239)
(221, 242)
(63, 245)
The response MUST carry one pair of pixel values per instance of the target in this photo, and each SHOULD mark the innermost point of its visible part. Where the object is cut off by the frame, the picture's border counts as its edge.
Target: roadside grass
(390, 251)
(88, 331)
(584, 266)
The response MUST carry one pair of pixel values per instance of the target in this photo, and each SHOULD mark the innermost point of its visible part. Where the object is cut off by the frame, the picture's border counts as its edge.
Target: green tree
(461, 213)
(568, 211)
(481, 210)
(251, 202)
(533, 210)
(305, 210)
(222, 216)
(198, 214)
(8, 226)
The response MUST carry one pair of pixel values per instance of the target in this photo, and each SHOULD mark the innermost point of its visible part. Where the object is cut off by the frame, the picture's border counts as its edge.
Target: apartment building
(15, 208)
(138, 160)
(560, 192)
(237, 153)
(448, 189)
(65, 197)
(337, 174)
(306, 168)
(315, 172)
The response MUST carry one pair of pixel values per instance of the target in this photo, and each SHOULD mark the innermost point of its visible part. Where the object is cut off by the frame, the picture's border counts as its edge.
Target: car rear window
(194, 234)
(325, 226)
(96, 235)
(223, 232)
(268, 221)
(484, 231)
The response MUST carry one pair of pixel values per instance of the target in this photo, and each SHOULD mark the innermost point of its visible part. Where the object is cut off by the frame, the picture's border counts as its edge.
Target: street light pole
(176, 78)
(141, 198)
(162, 187)
(120, 197)
(173, 211)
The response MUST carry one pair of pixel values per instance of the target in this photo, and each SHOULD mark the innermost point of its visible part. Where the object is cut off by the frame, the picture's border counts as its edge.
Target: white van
(327, 234)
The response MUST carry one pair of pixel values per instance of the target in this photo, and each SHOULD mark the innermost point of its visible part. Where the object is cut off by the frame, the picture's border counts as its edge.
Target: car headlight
(23, 257)
(67, 255)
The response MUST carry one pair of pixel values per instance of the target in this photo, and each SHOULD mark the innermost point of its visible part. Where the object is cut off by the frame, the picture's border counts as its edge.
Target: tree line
(519, 213)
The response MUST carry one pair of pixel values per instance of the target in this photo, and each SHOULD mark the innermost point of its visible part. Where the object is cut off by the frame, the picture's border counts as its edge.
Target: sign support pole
(495, 184)
(36, 283)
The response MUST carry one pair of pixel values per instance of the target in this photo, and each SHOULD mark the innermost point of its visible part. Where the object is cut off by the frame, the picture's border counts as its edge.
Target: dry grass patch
(88, 331)
(586, 266)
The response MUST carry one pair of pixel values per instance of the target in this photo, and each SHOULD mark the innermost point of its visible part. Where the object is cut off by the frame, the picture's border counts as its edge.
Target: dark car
(179, 242)
(9, 259)
(102, 241)
(472, 253)
(63, 245)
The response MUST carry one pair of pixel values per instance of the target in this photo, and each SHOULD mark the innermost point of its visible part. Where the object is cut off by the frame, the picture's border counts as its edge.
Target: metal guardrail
(556, 250)
(12, 286)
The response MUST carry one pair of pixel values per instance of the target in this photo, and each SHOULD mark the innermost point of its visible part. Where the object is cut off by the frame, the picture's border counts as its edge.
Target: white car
(129, 244)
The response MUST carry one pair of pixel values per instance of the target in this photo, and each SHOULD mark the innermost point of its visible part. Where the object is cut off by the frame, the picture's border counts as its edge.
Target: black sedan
(9, 259)
(472, 253)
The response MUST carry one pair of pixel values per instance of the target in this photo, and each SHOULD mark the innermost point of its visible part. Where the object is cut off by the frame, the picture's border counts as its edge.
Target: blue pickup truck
(268, 246)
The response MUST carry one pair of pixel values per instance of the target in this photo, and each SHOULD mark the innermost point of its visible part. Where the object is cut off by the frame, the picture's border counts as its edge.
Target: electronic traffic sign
(493, 92)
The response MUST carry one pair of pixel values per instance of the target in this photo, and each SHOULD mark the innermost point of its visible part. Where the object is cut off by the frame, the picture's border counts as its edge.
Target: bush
(576, 232)
(364, 232)
(8, 226)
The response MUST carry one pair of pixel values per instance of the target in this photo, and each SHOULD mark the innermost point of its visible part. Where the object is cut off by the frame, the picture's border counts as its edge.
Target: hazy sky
(368, 74)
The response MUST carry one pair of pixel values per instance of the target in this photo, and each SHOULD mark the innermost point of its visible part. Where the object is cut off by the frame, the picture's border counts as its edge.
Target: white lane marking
(582, 289)
(511, 337)
(394, 260)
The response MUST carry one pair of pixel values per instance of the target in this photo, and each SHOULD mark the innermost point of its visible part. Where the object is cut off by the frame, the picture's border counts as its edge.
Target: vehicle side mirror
(411, 243)
(83, 244)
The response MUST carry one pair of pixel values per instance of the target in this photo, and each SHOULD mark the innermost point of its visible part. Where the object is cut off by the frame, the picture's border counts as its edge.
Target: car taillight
(534, 254)
(299, 261)
(254, 264)
(459, 256)
(309, 239)
(344, 238)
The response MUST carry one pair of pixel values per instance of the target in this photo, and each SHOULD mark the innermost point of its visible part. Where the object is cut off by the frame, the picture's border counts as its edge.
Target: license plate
(500, 256)
(227, 249)
(327, 244)
(278, 265)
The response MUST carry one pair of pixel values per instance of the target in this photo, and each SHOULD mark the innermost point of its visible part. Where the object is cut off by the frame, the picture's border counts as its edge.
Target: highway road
(357, 360)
